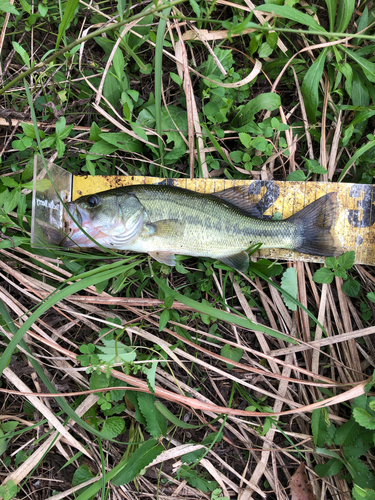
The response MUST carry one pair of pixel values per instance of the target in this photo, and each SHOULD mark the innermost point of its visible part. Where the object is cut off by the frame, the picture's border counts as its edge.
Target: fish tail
(316, 222)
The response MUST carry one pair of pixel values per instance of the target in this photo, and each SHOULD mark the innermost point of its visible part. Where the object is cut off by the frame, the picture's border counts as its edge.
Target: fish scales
(209, 223)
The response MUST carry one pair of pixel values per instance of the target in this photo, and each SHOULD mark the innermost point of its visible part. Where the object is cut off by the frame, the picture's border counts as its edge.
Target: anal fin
(238, 261)
(164, 258)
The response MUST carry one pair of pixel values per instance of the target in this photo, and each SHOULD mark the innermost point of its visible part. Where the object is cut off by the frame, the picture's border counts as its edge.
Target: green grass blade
(363, 149)
(292, 14)
(67, 17)
(331, 6)
(180, 423)
(222, 315)
(368, 67)
(158, 76)
(344, 14)
(310, 85)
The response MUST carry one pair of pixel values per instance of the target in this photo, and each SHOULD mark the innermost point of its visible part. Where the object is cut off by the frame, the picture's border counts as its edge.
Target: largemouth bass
(164, 221)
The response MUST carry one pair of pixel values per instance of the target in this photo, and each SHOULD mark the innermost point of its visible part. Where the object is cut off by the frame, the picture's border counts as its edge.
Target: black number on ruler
(270, 196)
(364, 216)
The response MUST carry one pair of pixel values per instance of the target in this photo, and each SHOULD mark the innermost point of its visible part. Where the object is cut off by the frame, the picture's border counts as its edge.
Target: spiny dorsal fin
(239, 196)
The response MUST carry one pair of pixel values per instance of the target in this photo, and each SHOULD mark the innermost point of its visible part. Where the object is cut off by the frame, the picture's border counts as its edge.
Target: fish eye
(93, 201)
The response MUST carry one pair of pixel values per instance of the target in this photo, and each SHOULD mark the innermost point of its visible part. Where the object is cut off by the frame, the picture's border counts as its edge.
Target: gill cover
(112, 221)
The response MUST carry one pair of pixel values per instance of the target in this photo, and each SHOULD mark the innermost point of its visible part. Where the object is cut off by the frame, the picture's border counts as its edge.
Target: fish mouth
(75, 236)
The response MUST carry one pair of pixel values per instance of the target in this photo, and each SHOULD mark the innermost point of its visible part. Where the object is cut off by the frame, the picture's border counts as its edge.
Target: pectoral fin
(166, 228)
(164, 257)
(238, 261)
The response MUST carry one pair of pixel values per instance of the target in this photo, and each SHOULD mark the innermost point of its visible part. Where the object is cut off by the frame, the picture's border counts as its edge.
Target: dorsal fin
(240, 197)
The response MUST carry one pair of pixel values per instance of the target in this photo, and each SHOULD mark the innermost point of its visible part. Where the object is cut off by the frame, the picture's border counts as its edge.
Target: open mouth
(76, 236)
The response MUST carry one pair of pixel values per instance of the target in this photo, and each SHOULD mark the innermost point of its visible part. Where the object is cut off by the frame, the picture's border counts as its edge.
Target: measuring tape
(355, 217)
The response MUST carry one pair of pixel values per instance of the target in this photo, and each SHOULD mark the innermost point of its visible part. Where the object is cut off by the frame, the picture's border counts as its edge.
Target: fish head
(112, 220)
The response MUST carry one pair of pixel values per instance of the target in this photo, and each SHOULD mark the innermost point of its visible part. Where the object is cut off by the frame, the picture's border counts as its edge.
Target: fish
(164, 221)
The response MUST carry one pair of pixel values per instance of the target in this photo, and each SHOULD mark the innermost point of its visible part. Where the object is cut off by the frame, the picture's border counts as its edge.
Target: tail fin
(316, 222)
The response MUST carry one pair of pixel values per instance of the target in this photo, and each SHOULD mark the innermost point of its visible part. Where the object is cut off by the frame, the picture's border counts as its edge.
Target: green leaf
(245, 139)
(332, 467)
(8, 490)
(95, 132)
(331, 7)
(22, 53)
(371, 296)
(292, 14)
(142, 457)
(195, 7)
(368, 67)
(5, 6)
(132, 397)
(363, 418)
(151, 375)
(265, 50)
(60, 126)
(289, 284)
(98, 380)
(176, 421)
(360, 473)
(43, 9)
(119, 63)
(12, 200)
(196, 480)
(320, 426)
(28, 130)
(351, 287)
(268, 268)
(361, 445)
(176, 78)
(9, 182)
(122, 141)
(297, 175)
(100, 149)
(67, 17)
(112, 427)
(259, 143)
(340, 273)
(81, 475)
(60, 147)
(313, 166)
(344, 14)
(235, 354)
(331, 262)
(115, 352)
(121, 5)
(268, 101)
(156, 422)
(362, 493)
(310, 85)
(163, 320)
(323, 275)
(347, 259)
(347, 432)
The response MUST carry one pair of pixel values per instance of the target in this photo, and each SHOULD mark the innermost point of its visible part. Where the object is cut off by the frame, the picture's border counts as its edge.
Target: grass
(121, 375)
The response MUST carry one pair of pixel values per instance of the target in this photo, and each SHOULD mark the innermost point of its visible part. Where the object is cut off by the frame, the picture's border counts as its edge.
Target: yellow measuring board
(354, 228)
